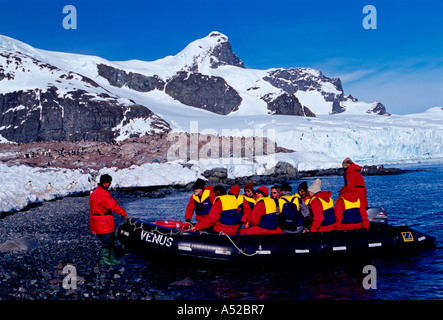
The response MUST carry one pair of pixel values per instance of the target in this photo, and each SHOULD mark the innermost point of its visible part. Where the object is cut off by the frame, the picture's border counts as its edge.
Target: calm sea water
(414, 199)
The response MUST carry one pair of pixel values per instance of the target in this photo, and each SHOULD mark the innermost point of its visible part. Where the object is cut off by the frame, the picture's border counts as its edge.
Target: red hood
(353, 167)
(325, 195)
(350, 196)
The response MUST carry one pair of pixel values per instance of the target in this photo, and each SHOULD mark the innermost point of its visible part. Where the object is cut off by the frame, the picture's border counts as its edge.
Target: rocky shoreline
(36, 245)
(283, 172)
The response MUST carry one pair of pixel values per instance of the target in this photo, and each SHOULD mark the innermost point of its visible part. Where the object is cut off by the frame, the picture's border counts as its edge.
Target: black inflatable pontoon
(169, 239)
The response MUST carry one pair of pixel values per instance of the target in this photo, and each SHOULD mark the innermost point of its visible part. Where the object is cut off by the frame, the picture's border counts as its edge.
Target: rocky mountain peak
(209, 53)
(46, 96)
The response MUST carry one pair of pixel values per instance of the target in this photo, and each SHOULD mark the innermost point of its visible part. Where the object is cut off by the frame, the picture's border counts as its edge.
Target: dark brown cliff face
(69, 107)
(45, 115)
(135, 81)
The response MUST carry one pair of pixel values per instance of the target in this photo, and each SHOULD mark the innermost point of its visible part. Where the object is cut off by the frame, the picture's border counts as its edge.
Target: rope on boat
(240, 250)
(134, 223)
(135, 227)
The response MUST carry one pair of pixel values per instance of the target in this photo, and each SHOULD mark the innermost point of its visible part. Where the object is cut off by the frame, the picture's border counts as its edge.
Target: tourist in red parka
(249, 201)
(355, 181)
(322, 208)
(264, 215)
(349, 213)
(223, 216)
(101, 221)
(201, 201)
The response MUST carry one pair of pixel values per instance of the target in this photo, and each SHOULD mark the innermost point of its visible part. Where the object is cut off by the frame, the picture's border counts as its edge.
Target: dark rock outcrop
(222, 54)
(305, 79)
(205, 92)
(380, 109)
(287, 104)
(136, 81)
(45, 115)
(282, 172)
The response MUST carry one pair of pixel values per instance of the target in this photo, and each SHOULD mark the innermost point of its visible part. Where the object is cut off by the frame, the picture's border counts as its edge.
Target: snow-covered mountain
(40, 101)
(58, 96)
(48, 95)
(205, 88)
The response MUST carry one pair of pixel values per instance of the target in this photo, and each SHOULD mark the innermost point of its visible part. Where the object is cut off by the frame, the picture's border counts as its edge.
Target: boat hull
(152, 241)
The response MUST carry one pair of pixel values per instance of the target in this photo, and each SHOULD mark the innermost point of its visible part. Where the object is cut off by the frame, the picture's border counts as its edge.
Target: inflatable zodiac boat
(171, 239)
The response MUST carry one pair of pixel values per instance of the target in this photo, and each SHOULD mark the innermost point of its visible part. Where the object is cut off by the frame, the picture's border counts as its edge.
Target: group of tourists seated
(260, 212)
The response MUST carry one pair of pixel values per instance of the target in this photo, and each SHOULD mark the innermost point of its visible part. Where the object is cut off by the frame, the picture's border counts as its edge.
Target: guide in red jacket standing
(355, 181)
(101, 221)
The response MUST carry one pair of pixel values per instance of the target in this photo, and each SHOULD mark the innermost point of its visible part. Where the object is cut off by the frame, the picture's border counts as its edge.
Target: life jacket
(251, 201)
(290, 215)
(229, 214)
(351, 213)
(240, 203)
(241, 210)
(328, 211)
(268, 221)
(202, 205)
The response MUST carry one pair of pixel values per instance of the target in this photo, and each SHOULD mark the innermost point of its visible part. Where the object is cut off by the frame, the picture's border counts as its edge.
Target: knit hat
(249, 186)
(235, 190)
(286, 187)
(303, 186)
(346, 163)
(315, 187)
(263, 190)
(199, 184)
(219, 190)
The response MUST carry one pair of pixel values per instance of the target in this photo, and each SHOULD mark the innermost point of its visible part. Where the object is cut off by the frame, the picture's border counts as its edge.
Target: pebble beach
(39, 246)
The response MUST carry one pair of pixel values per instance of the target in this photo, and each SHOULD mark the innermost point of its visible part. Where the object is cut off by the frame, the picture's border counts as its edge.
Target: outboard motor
(377, 215)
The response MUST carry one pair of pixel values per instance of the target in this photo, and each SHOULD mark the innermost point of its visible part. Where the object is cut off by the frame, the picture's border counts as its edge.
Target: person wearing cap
(322, 208)
(201, 201)
(264, 215)
(355, 180)
(102, 205)
(246, 204)
(349, 213)
(223, 216)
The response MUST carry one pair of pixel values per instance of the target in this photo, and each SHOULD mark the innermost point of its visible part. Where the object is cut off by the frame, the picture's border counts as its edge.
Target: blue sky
(400, 63)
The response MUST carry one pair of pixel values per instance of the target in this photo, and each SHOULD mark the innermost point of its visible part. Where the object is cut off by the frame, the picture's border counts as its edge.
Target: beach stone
(184, 282)
(21, 244)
